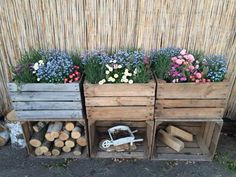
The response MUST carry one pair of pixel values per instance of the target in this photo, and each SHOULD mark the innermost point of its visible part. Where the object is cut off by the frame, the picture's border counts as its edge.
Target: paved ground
(16, 163)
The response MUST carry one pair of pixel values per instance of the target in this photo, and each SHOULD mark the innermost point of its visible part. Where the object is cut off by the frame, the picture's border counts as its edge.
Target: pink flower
(174, 59)
(199, 75)
(179, 61)
(146, 60)
(180, 57)
(183, 79)
(197, 81)
(190, 57)
(183, 52)
(191, 68)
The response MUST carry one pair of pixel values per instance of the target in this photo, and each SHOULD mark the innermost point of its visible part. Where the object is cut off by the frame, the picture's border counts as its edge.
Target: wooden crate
(43, 101)
(98, 132)
(120, 101)
(28, 131)
(191, 100)
(202, 148)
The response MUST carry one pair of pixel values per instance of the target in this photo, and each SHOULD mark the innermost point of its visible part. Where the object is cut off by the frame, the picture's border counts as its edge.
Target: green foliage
(22, 72)
(226, 161)
(161, 65)
(94, 70)
(77, 60)
(143, 74)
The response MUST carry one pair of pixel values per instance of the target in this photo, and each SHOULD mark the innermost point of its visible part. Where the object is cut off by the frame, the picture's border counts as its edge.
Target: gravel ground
(16, 163)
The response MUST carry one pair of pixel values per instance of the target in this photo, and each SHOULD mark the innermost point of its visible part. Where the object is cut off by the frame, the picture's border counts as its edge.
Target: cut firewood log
(64, 135)
(2, 127)
(48, 135)
(39, 126)
(48, 153)
(170, 141)
(77, 150)
(37, 138)
(179, 133)
(76, 132)
(82, 141)
(69, 126)
(56, 129)
(45, 147)
(4, 137)
(38, 151)
(66, 149)
(58, 143)
(56, 151)
(70, 143)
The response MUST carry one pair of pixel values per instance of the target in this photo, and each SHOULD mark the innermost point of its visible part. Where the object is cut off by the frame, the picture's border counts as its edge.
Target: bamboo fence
(207, 25)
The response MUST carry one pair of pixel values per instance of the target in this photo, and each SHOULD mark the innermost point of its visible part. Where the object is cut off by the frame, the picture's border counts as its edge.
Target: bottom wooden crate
(202, 148)
(28, 132)
(98, 132)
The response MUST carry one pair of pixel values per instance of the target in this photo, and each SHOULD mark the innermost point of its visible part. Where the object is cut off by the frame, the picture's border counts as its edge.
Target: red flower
(76, 79)
(76, 72)
(76, 67)
(65, 80)
(71, 76)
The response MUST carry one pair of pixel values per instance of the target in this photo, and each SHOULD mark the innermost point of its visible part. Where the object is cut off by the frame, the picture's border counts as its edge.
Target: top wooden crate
(46, 101)
(191, 100)
(120, 101)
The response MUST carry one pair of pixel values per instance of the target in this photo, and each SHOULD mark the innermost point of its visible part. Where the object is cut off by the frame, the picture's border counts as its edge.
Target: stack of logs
(53, 138)
(174, 137)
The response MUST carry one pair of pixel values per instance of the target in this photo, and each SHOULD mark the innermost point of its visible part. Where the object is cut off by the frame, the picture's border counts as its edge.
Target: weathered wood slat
(127, 155)
(190, 113)
(192, 90)
(120, 113)
(47, 105)
(119, 101)
(60, 114)
(47, 87)
(45, 96)
(193, 103)
(183, 157)
(122, 90)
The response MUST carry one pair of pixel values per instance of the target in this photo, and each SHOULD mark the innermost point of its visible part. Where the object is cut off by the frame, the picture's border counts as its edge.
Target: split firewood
(4, 137)
(39, 126)
(37, 138)
(48, 135)
(66, 149)
(69, 126)
(38, 151)
(56, 151)
(64, 135)
(58, 143)
(82, 141)
(170, 141)
(177, 132)
(77, 150)
(2, 127)
(76, 132)
(56, 129)
(122, 148)
(70, 143)
(45, 147)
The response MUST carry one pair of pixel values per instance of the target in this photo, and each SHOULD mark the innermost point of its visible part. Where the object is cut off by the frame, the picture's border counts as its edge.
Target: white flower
(116, 75)
(122, 80)
(110, 79)
(107, 72)
(101, 82)
(114, 61)
(119, 66)
(135, 71)
(110, 69)
(197, 66)
(38, 79)
(129, 74)
(115, 66)
(34, 72)
(36, 66)
(126, 80)
(113, 80)
(131, 81)
(107, 66)
(126, 71)
(124, 77)
(41, 62)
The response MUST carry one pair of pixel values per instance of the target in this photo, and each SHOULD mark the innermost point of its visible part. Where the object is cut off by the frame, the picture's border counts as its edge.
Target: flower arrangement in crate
(189, 84)
(46, 85)
(118, 82)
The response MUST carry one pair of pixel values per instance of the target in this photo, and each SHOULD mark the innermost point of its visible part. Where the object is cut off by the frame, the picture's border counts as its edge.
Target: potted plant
(190, 85)
(118, 86)
(46, 85)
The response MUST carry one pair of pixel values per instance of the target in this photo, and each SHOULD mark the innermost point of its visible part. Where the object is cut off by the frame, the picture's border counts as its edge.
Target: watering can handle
(137, 140)
(135, 131)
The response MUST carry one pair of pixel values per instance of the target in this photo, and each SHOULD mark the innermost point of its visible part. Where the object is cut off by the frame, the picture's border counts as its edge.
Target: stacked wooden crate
(56, 106)
(194, 108)
(120, 104)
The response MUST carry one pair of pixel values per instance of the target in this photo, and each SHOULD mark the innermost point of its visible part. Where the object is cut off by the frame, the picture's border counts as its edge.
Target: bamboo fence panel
(206, 25)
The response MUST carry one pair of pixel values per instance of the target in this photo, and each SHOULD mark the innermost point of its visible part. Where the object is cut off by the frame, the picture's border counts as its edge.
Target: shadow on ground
(16, 163)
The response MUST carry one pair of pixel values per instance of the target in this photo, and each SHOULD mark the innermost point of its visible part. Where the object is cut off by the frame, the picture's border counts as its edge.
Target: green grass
(226, 161)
